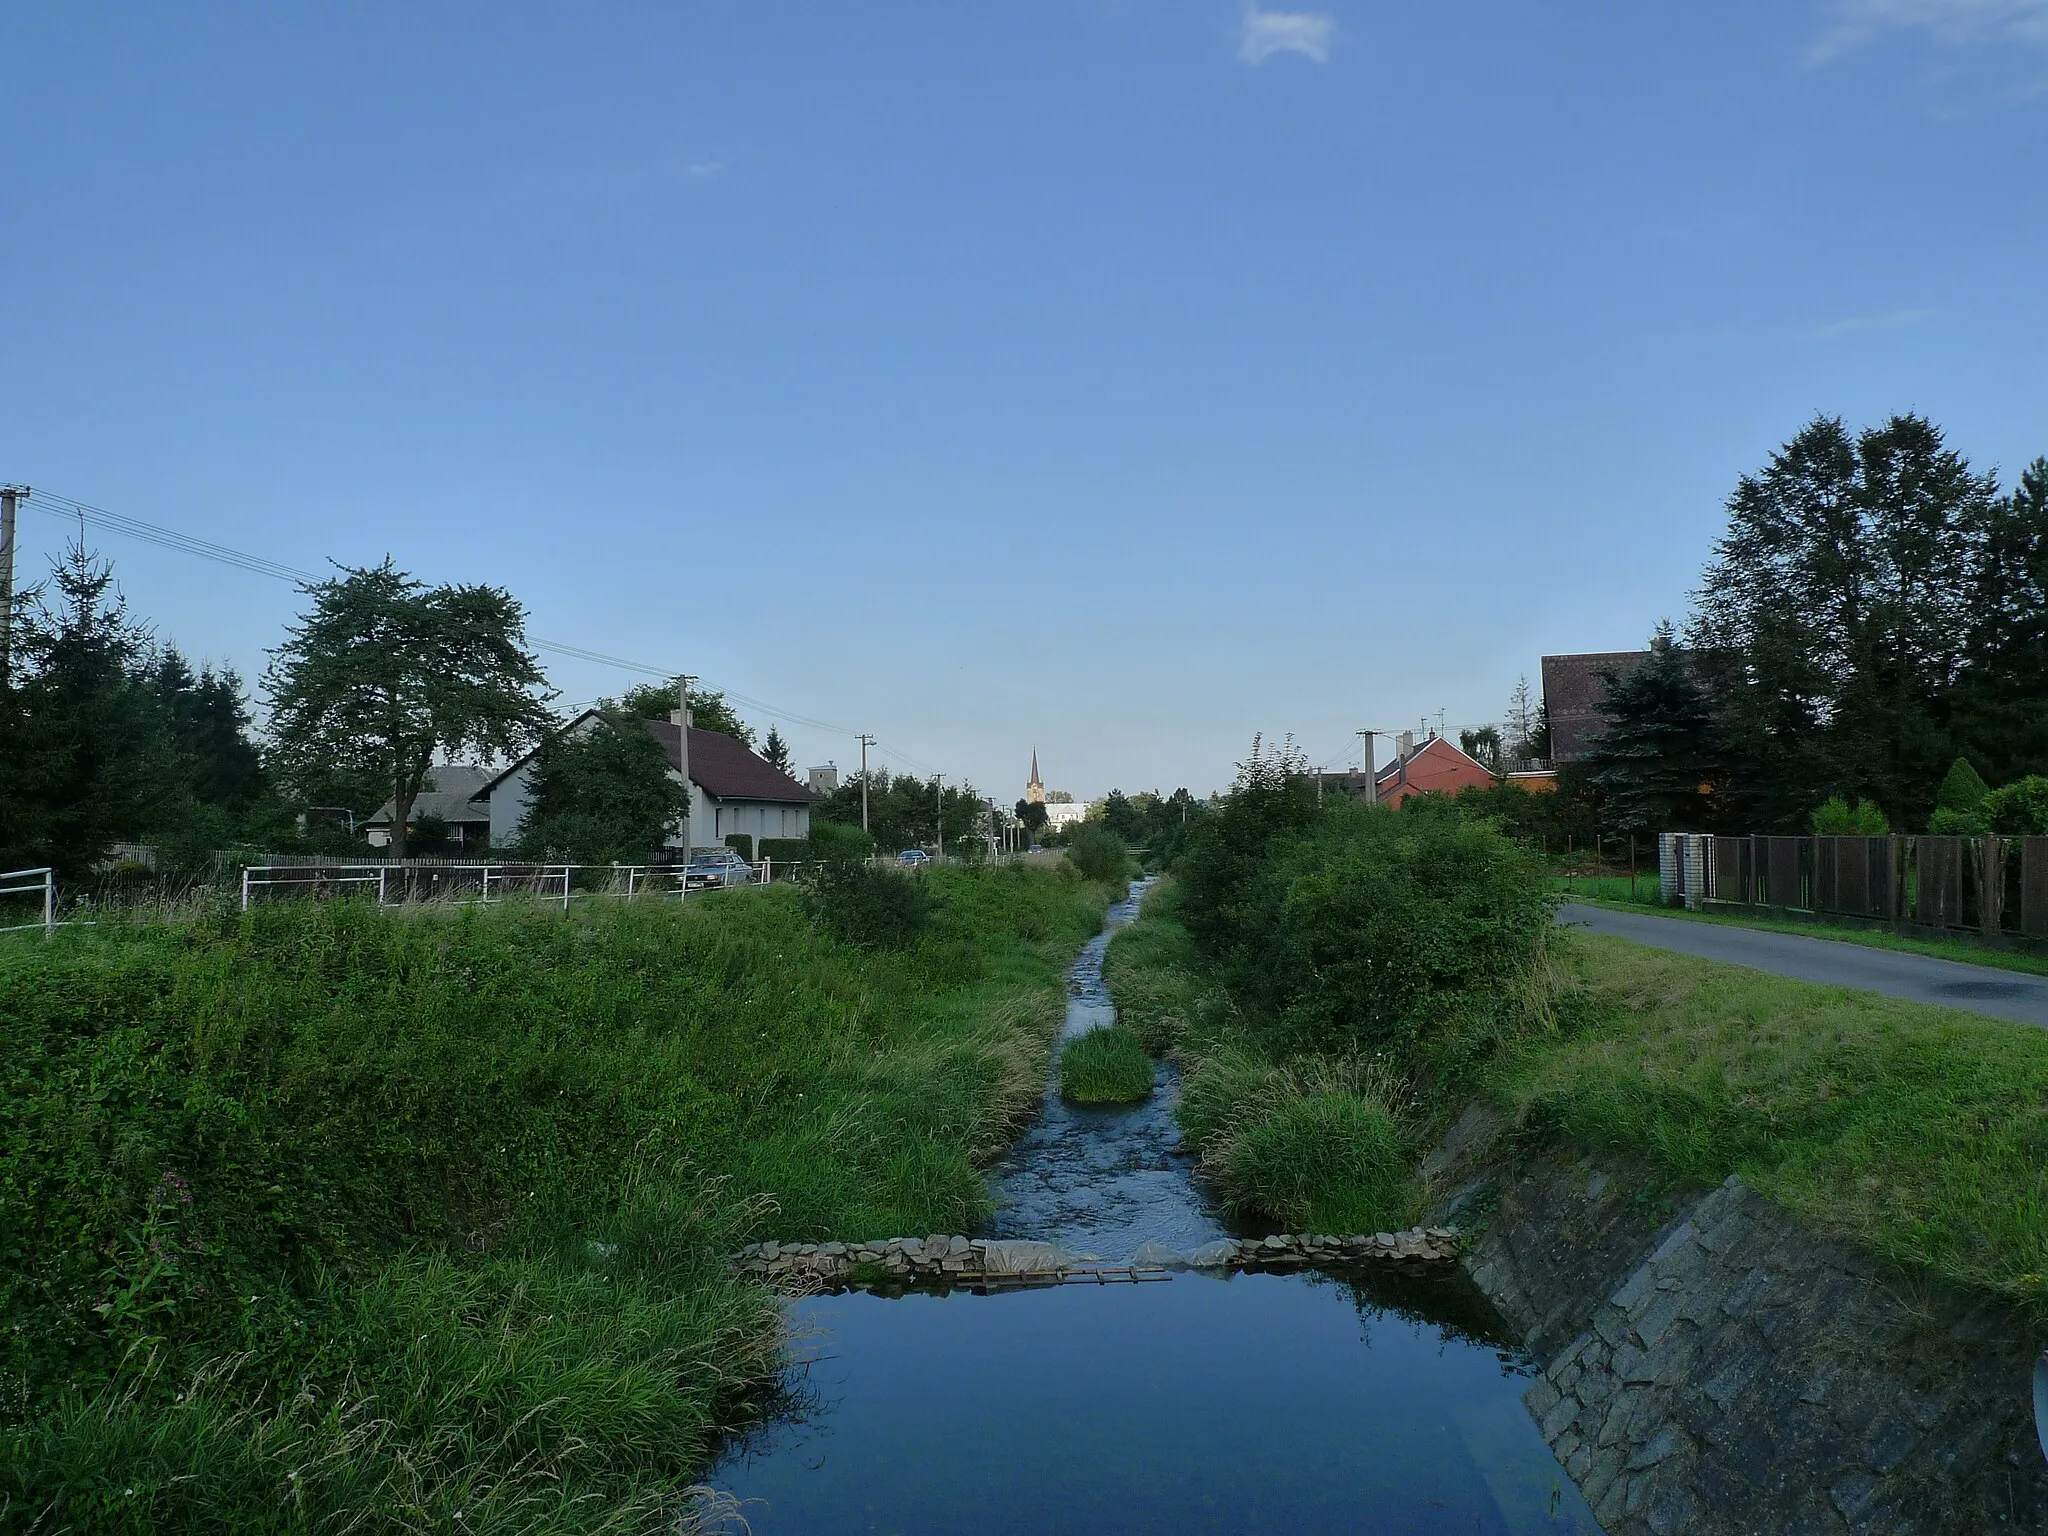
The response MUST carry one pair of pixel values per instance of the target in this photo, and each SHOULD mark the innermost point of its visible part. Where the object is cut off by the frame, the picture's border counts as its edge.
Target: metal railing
(483, 883)
(31, 882)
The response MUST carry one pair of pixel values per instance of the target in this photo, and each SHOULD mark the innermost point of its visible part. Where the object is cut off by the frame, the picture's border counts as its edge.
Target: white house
(732, 789)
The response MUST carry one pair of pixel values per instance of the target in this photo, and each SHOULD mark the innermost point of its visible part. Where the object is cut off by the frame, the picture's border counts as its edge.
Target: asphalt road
(1919, 978)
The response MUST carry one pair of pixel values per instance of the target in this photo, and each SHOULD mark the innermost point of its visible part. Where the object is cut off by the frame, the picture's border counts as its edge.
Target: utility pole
(1372, 786)
(9, 495)
(865, 742)
(940, 780)
(683, 682)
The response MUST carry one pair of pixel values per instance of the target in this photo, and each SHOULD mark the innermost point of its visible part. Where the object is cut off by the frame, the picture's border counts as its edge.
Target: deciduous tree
(385, 674)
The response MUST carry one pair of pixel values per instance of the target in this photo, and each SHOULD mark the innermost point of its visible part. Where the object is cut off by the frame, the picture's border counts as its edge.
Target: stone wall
(1709, 1365)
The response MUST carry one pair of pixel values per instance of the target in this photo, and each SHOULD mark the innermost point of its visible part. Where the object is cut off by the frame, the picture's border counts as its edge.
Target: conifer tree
(1654, 764)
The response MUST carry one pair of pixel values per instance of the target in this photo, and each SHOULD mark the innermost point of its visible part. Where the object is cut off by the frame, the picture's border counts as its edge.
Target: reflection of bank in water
(1228, 1400)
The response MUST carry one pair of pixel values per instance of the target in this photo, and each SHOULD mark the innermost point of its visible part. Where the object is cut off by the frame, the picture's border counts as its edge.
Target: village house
(733, 790)
(450, 798)
(1435, 767)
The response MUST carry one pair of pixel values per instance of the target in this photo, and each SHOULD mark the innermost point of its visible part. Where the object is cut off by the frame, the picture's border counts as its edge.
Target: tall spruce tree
(1653, 764)
(87, 756)
(2002, 714)
(1832, 622)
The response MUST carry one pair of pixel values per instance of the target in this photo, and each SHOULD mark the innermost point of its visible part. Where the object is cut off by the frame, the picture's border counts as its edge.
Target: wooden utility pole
(9, 495)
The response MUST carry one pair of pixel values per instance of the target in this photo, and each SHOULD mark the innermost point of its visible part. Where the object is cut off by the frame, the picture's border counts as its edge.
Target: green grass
(1105, 1066)
(330, 1216)
(1920, 1133)
(1964, 950)
(1617, 889)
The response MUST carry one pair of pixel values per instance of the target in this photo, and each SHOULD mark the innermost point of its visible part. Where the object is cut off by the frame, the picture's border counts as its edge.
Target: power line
(67, 507)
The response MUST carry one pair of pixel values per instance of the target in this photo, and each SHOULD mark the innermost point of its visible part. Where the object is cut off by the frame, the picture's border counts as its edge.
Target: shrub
(786, 850)
(867, 907)
(2019, 809)
(1962, 795)
(1105, 1066)
(1837, 817)
(836, 841)
(741, 843)
(1365, 929)
(1100, 856)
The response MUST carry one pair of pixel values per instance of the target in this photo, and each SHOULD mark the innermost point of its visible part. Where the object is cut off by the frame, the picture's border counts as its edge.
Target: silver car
(715, 868)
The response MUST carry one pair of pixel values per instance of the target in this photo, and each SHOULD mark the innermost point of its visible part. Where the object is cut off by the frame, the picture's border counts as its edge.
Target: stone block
(1854, 1495)
(1541, 1397)
(1748, 1291)
(1731, 1379)
(1657, 1318)
(1636, 1292)
(1560, 1418)
(1676, 1239)
(1889, 1443)
(1658, 1447)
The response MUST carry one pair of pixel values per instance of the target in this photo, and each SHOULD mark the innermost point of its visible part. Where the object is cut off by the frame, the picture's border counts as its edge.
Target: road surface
(1918, 978)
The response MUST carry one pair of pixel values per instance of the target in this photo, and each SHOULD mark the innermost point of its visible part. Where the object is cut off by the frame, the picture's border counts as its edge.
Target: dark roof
(720, 765)
(1573, 690)
(723, 766)
(450, 795)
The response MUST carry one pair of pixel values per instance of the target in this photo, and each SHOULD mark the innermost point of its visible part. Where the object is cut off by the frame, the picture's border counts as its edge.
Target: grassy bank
(330, 1216)
(1920, 1133)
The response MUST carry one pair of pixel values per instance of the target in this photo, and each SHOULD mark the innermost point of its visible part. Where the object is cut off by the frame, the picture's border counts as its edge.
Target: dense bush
(1365, 928)
(835, 840)
(1105, 1066)
(867, 907)
(1099, 855)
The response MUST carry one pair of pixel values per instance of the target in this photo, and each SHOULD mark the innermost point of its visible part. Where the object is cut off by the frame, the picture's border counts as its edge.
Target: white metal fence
(32, 882)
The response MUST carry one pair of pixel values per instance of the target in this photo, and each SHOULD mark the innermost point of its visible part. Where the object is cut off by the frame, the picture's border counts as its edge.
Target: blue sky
(1115, 377)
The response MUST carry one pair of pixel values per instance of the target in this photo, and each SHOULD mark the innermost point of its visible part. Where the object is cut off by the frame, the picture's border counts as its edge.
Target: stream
(1300, 1402)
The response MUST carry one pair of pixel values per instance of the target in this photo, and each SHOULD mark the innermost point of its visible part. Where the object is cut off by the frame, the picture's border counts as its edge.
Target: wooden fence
(1991, 885)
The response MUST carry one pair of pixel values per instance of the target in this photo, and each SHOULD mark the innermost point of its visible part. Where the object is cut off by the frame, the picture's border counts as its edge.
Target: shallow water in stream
(1300, 1403)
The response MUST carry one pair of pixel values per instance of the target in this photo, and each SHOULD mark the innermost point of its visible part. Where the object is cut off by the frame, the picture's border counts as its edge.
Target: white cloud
(1956, 23)
(1269, 32)
(1890, 320)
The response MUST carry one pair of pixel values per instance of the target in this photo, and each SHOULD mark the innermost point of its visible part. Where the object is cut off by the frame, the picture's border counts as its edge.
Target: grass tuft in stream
(1105, 1066)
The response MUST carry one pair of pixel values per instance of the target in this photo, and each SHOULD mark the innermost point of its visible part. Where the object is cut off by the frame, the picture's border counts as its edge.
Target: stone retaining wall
(965, 1261)
(1710, 1366)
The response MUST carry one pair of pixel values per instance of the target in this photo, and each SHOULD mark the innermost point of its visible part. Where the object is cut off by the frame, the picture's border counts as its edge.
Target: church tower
(1034, 792)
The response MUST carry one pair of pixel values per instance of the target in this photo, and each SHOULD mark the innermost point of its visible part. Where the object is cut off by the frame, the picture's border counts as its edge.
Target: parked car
(913, 858)
(714, 868)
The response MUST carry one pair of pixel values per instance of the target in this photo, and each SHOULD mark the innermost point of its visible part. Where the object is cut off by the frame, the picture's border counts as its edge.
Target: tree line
(1874, 619)
(110, 735)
